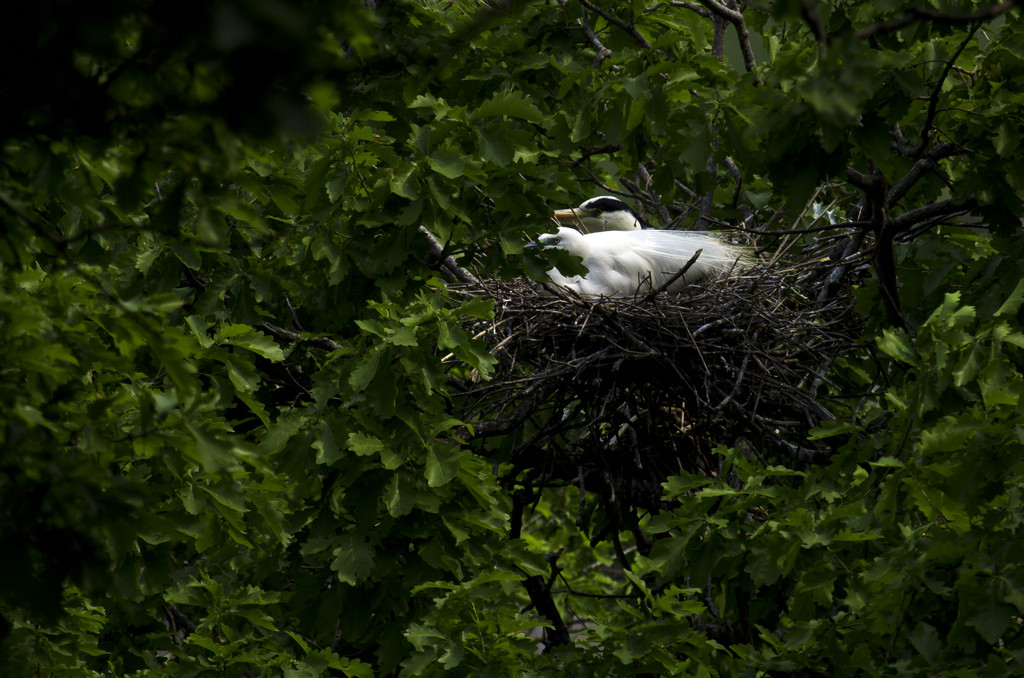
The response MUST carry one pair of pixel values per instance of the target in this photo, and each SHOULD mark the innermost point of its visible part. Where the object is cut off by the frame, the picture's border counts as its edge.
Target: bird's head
(568, 239)
(603, 213)
(562, 250)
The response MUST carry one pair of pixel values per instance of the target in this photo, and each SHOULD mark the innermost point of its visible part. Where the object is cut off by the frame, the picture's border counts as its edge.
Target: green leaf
(947, 436)
(257, 342)
(364, 444)
(404, 181)
(1013, 302)
(896, 344)
(353, 560)
(829, 429)
(992, 621)
(327, 451)
(926, 640)
(365, 370)
(968, 368)
(512, 104)
(213, 453)
(1007, 139)
(401, 496)
(443, 463)
(477, 308)
(496, 147)
(446, 163)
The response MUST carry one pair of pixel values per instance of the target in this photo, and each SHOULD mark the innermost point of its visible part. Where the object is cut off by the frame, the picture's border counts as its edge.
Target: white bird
(603, 213)
(626, 263)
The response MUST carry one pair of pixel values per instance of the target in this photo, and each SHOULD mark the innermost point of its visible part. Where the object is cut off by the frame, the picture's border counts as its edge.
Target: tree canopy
(236, 436)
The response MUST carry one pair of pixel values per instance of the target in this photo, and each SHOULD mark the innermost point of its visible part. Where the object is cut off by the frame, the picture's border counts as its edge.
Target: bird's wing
(669, 245)
(661, 254)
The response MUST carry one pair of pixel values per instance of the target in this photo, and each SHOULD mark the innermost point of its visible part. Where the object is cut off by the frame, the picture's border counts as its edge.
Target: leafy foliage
(228, 440)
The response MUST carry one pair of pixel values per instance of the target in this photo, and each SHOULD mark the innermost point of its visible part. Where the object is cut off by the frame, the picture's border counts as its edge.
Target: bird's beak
(569, 216)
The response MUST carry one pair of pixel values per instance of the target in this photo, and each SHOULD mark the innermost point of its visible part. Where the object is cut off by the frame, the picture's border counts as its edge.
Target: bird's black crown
(606, 204)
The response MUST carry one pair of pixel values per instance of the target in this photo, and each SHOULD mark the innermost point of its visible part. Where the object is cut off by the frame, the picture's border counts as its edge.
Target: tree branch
(686, 5)
(922, 167)
(813, 20)
(935, 16)
(612, 19)
(876, 193)
(735, 17)
(865, 182)
(326, 343)
(602, 51)
(529, 400)
(933, 99)
(679, 274)
(544, 604)
(600, 150)
(437, 252)
(944, 208)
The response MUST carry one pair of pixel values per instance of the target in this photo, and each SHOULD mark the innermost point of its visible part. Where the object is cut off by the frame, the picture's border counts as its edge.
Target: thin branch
(944, 208)
(530, 399)
(685, 5)
(865, 182)
(803, 231)
(326, 343)
(600, 150)
(735, 17)
(612, 19)
(876, 193)
(438, 254)
(935, 16)
(813, 20)
(734, 171)
(920, 169)
(602, 51)
(544, 604)
(933, 99)
(830, 287)
(679, 274)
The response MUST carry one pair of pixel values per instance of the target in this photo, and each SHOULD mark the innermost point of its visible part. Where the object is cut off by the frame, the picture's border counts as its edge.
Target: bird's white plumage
(624, 263)
(603, 213)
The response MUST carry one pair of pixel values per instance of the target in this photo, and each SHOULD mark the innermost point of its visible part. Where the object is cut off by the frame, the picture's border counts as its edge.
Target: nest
(617, 395)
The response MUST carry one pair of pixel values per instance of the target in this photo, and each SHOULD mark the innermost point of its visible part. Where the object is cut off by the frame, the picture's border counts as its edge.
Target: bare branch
(530, 400)
(933, 99)
(544, 604)
(679, 274)
(734, 172)
(922, 167)
(876, 193)
(612, 19)
(810, 15)
(865, 182)
(325, 343)
(803, 231)
(685, 5)
(830, 287)
(602, 51)
(944, 208)
(600, 150)
(935, 16)
(437, 252)
(735, 17)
